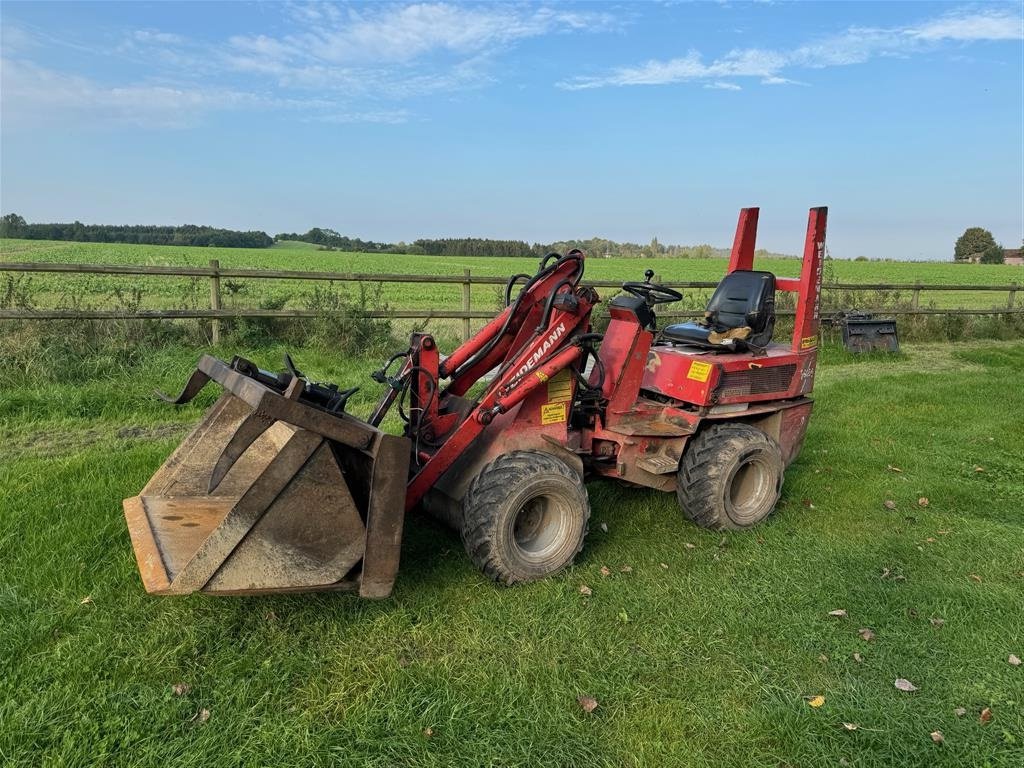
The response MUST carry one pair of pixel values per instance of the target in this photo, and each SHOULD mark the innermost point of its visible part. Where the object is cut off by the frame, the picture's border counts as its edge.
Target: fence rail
(215, 273)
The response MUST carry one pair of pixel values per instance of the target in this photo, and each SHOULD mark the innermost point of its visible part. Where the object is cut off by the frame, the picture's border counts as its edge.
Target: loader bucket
(271, 493)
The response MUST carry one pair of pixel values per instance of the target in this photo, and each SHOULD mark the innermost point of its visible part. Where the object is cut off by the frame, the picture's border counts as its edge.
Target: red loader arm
(543, 331)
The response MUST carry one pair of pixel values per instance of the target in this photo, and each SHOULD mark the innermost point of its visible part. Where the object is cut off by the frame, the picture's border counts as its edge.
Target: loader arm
(540, 333)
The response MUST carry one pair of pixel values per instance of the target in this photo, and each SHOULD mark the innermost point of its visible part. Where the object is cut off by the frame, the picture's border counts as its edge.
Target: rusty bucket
(271, 493)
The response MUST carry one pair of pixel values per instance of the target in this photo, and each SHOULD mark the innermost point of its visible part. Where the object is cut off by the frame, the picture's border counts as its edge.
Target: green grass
(166, 292)
(706, 662)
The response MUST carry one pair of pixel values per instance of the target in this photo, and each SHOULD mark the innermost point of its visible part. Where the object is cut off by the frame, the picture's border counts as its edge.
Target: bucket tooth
(195, 383)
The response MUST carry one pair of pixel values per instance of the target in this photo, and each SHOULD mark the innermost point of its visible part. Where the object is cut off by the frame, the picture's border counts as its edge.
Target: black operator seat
(741, 314)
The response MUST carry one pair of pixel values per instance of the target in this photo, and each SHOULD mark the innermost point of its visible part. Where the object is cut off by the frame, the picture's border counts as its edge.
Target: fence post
(915, 297)
(466, 304)
(1013, 296)
(215, 299)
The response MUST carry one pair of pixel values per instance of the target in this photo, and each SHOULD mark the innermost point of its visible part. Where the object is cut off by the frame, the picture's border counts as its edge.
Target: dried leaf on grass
(428, 732)
(960, 711)
(857, 657)
(181, 689)
(839, 613)
(87, 600)
(866, 633)
(664, 565)
(201, 716)
(923, 501)
(974, 577)
(889, 504)
(851, 726)
(936, 621)
(815, 701)
(1014, 660)
(587, 703)
(937, 737)
(905, 685)
(604, 527)
(626, 569)
(891, 468)
(605, 570)
(585, 590)
(688, 545)
(985, 716)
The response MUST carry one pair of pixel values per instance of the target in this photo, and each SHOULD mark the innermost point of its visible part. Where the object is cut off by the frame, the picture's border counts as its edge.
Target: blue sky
(532, 121)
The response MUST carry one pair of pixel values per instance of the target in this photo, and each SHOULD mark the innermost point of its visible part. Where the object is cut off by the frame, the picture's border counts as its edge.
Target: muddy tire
(524, 517)
(730, 477)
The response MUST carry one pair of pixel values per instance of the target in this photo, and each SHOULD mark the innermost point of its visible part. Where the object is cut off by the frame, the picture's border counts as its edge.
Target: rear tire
(524, 517)
(730, 477)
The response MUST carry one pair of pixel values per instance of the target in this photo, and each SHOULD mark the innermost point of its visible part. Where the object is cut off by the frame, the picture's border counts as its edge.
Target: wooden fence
(214, 272)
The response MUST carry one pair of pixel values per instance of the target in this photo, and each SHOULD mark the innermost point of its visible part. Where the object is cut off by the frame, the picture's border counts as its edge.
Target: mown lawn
(701, 656)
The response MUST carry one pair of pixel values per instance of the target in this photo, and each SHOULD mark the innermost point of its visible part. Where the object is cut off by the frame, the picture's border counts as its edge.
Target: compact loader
(280, 490)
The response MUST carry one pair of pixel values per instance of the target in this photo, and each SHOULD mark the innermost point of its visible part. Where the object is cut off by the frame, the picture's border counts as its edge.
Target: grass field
(101, 291)
(702, 656)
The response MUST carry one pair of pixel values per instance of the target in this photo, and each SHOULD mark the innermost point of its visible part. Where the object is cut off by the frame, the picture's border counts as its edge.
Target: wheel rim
(540, 526)
(751, 488)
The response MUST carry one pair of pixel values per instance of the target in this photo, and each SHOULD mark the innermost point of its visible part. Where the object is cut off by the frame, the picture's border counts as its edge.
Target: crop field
(98, 291)
(700, 649)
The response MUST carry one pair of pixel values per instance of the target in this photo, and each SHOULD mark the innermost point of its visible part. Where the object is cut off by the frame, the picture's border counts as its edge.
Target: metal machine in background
(279, 489)
(863, 332)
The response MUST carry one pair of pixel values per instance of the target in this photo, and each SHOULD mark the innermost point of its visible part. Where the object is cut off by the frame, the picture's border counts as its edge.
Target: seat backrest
(743, 298)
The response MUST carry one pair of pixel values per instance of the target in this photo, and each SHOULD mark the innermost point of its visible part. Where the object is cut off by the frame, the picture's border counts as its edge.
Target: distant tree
(973, 241)
(11, 225)
(993, 255)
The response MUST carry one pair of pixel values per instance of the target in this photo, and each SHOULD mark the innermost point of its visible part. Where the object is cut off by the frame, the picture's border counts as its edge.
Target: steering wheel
(652, 293)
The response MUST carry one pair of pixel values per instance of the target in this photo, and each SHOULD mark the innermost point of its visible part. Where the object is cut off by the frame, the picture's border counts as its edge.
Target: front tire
(730, 477)
(524, 517)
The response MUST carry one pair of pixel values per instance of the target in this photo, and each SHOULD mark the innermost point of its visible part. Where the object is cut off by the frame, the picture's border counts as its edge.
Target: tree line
(13, 225)
(328, 239)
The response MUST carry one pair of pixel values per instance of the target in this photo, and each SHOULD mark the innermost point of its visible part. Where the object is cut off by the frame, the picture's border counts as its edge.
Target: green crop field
(162, 292)
(701, 649)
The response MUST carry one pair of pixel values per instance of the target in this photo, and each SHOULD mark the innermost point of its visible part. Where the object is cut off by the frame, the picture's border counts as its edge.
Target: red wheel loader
(279, 489)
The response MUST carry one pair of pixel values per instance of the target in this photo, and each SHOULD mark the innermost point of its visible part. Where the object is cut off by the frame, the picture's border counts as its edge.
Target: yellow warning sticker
(554, 413)
(560, 387)
(808, 341)
(699, 371)
(541, 375)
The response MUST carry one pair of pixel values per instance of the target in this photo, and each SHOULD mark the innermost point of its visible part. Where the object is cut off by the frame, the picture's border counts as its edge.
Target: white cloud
(156, 36)
(963, 25)
(332, 46)
(856, 45)
(776, 80)
(33, 95)
(723, 86)
(336, 63)
(388, 117)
